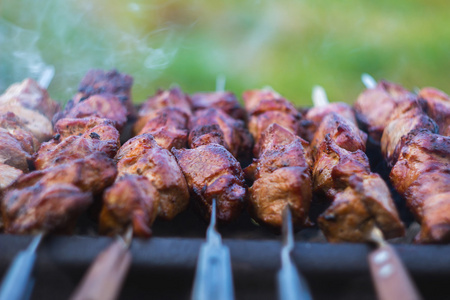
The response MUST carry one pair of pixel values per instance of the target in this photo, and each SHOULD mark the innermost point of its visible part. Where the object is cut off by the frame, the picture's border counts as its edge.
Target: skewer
(390, 277)
(105, 277)
(213, 277)
(18, 281)
(368, 81)
(291, 285)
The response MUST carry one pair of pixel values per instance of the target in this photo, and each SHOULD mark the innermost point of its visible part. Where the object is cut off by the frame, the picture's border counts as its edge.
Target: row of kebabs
(194, 147)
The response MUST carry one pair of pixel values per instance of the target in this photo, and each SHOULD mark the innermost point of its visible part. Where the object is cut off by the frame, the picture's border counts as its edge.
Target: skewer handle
(389, 275)
(106, 275)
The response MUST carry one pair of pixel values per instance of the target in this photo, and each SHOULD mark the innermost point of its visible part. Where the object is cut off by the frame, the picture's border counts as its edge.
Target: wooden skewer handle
(106, 275)
(390, 277)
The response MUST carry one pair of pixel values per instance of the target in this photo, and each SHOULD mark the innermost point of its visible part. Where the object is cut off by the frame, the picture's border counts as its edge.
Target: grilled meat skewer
(341, 172)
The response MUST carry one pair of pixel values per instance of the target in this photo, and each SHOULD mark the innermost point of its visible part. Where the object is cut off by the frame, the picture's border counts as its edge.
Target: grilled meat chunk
(12, 153)
(33, 121)
(10, 123)
(422, 176)
(282, 178)
(142, 155)
(237, 139)
(364, 203)
(105, 106)
(8, 175)
(266, 107)
(169, 98)
(31, 96)
(361, 199)
(287, 186)
(374, 107)
(438, 108)
(343, 132)
(405, 118)
(212, 172)
(51, 200)
(132, 200)
(315, 115)
(93, 173)
(225, 101)
(43, 208)
(280, 148)
(168, 126)
(97, 82)
(332, 163)
(91, 135)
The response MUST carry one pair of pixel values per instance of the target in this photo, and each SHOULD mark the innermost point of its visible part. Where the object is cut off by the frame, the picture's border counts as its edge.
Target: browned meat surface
(374, 107)
(43, 208)
(438, 108)
(33, 121)
(105, 106)
(131, 201)
(93, 173)
(142, 155)
(364, 203)
(360, 199)
(204, 135)
(266, 107)
(236, 137)
(94, 135)
(333, 164)
(315, 115)
(404, 118)
(97, 82)
(31, 96)
(169, 98)
(282, 178)
(422, 176)
(212, 172)
(10, 123)
(226, 101)
(51, 200)
(8, 175)
(280, 148)
(168, 126)
(12, 153)
(287, 186)
(343, 132)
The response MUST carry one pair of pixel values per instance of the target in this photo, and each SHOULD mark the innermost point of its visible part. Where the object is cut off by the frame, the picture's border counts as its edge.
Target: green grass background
(289, 45)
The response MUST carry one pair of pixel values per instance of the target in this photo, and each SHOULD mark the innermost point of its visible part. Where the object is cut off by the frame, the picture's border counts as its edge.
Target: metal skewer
(389, 275)
(213, 277)
(368, 81)
(18, 282)
(291, 285)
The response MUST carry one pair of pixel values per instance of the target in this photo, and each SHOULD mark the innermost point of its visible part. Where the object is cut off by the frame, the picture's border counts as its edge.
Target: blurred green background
(289, 45)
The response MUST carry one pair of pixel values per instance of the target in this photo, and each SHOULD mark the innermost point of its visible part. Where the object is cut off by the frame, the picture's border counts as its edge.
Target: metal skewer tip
(46, 76)
(368, 81)
(319, 96)
(220, 83)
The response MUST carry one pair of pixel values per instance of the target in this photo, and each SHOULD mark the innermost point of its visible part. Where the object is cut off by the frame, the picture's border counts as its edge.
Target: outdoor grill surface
(164, 266)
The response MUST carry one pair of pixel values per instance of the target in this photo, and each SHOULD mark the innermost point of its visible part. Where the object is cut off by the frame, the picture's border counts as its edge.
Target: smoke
(75, 36)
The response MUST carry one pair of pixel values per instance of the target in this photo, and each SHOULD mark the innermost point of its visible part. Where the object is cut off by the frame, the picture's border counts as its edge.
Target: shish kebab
(142, 168)
(75, 165)
(18, 281)
(281, 192)
(390, 277)
(415, 143)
